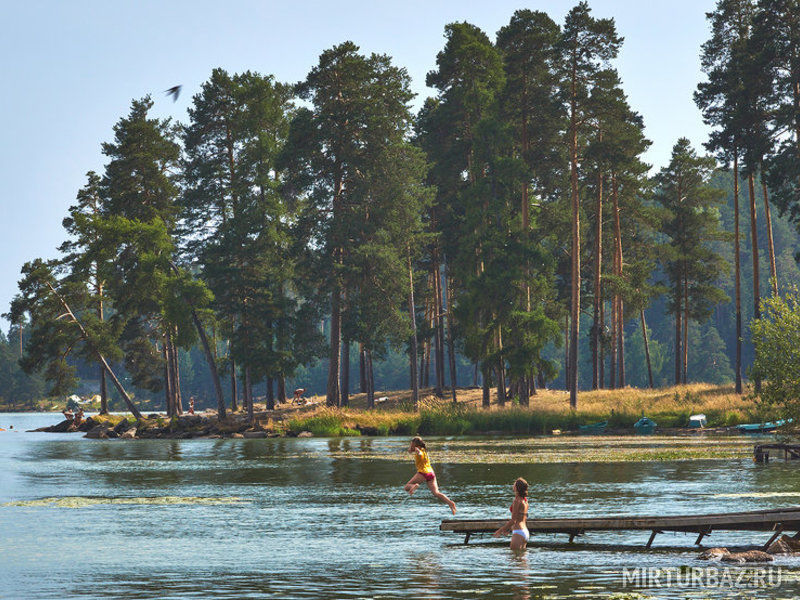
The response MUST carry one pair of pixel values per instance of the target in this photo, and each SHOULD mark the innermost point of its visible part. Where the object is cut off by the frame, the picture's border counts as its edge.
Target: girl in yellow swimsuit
(425, 473)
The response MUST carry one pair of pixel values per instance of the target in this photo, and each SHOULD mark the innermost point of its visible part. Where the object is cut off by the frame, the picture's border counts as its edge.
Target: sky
(70, 70)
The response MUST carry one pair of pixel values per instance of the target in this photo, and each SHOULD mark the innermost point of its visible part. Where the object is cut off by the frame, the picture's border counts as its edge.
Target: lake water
(327, 518)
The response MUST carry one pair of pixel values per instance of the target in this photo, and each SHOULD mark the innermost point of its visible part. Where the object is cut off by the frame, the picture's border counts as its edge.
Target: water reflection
(327, 519)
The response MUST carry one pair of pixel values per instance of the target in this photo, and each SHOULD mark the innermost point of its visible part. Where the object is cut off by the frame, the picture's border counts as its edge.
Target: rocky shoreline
(160, 427)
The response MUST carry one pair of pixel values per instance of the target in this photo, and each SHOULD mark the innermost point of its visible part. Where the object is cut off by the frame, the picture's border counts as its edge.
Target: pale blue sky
(70, 69)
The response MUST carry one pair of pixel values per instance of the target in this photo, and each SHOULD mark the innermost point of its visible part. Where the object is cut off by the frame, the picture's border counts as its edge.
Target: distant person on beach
(191, 405)
(78, 421)
(425, 473)
(517, 525)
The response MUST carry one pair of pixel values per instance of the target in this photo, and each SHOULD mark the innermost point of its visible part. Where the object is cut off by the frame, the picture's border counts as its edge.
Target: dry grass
(548, 410)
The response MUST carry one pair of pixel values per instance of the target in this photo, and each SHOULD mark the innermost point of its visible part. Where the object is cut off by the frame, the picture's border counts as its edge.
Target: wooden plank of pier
(774, 520)
(790, 451)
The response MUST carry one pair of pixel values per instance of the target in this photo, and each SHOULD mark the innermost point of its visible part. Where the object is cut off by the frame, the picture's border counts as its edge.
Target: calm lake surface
(327, 518)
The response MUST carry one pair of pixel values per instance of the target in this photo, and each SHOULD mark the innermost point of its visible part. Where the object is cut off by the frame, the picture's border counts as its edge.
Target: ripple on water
(84, 501)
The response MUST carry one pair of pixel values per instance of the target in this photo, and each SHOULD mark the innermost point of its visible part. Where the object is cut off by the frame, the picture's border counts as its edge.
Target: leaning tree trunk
(773, 271)
(754, 242)
(128, 402)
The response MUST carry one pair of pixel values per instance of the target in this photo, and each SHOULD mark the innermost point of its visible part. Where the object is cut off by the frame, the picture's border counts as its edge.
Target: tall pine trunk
(167, 378)
(602, 357)
(754, 242)
(281, 389)
(345, 373)
(646, 350)
(486, 399)
(248, 394)
(103, 383)
(451, 346)
(737, 272)
(612, 376)
(437, 340)
(678, 331)
(620, 335)
(176, 378)
(598, 300)
(575, 299)
(370, 381)
(412, 315)
(685, 324)
(270, 393)
(439, 332)
(332, 397)
(234, 386)
(362, 369)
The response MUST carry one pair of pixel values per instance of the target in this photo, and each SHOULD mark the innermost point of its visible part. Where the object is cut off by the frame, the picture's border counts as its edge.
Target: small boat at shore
(593, 428)
(645, 426)
(768, 427)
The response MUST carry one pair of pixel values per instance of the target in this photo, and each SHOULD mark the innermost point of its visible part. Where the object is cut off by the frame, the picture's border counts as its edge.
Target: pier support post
(774, 537)
(652, 537)
(701, 535)
(466, 537)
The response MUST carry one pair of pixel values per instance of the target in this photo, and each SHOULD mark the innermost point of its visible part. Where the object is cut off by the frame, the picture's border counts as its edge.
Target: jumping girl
(425, 473)
(517, 525)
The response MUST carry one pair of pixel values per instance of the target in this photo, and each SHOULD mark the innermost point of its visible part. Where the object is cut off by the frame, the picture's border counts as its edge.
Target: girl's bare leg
(413, 483)
(439, 495)
(518, 542)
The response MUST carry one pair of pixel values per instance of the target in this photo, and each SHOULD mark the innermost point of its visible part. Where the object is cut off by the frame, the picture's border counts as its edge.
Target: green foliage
(777, 342)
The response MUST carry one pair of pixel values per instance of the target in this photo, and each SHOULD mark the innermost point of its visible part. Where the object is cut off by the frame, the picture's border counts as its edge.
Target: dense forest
(323, 235)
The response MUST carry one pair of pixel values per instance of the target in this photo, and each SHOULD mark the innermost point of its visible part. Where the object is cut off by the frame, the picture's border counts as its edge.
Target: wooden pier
(761, 452)
(776, 521)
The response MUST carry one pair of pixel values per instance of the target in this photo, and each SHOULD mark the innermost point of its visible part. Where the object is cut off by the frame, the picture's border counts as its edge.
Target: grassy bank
(549, 410)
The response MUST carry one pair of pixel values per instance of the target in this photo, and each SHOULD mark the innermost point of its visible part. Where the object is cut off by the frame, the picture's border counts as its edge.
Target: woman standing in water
(425, 473)
(517, 525)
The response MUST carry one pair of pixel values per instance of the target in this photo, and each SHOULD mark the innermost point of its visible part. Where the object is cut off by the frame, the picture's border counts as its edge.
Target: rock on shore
(159, 426)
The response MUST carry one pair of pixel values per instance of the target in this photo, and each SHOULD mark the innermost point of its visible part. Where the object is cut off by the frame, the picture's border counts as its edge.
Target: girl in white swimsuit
(517, 525)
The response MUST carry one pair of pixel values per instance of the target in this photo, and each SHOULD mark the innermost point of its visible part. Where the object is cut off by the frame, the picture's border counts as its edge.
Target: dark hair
(417, 441)
(521, 486)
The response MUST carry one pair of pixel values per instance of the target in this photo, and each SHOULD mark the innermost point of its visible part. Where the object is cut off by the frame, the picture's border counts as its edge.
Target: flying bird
(174, 92)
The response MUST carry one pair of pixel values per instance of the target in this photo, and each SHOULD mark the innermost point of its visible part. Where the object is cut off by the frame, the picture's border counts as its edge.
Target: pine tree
(691, 221)
(586, 45)
(722, 100)
(359, 117)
